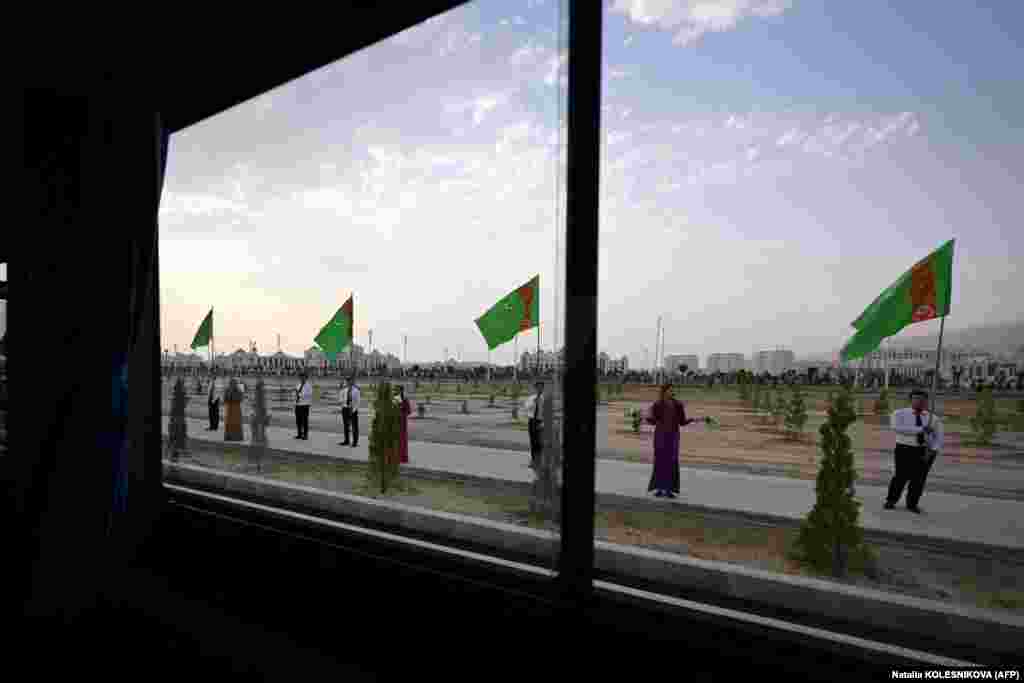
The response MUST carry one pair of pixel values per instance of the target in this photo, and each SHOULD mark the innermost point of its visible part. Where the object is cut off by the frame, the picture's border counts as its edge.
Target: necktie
(348, 402)
(536, 408)
(918, 419)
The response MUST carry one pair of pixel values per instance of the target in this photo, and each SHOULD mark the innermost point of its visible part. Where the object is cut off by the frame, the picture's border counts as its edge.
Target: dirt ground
(749, 438)
(955, 579)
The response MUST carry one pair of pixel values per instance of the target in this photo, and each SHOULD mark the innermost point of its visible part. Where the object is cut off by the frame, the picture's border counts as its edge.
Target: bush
(384, 434)
(796, 413)
(744, 389)
(882, 404)
(983, 424)
(831, 535)
(636, 420)
(779, 407)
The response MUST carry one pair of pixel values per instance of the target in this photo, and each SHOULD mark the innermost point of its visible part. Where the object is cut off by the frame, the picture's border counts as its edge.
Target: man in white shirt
(349, 400)
(534, 405)
(918, 442)
(303, 400)
(213, 399)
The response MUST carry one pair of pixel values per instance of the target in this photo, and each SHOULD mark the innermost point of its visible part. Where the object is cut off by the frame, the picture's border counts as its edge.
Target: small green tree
(177, 441)
(384, 434)
(882, 404)
(832, 529)
(755, 398)
(744, 387)
(766, 405)
(779, 407)
(796, 413)
(983, 424)
(636, 420)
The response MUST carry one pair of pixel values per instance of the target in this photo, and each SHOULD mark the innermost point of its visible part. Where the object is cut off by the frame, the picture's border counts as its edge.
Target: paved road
(947, 516)
(483, 429)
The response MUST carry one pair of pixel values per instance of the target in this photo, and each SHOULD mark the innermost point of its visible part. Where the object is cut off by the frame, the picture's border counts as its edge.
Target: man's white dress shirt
(904, 423)
(305, 397)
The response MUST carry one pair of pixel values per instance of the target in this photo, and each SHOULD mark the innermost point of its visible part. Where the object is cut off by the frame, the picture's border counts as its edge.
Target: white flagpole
(935, 378)
(515, 358)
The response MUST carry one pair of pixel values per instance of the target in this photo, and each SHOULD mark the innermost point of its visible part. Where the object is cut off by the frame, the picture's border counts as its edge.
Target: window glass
(391, 221)
(769, 169)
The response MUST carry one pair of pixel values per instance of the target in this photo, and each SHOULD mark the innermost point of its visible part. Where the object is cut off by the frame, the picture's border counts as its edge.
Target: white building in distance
(776, 362)
(674, 361)
(608, 365)
(726, 362)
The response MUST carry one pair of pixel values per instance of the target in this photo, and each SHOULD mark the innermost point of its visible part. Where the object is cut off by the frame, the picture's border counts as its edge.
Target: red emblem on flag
(922, 293)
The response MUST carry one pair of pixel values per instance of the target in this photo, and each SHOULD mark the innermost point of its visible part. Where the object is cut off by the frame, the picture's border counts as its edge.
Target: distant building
(775, 362)
(608, 365)
(548, 360)
(674, 361)
(726, 362)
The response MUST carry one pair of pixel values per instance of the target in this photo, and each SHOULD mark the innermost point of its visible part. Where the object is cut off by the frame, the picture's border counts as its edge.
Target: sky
(768, 167)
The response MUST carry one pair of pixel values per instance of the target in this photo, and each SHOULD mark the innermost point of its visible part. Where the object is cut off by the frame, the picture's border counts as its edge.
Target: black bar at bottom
(576, 562)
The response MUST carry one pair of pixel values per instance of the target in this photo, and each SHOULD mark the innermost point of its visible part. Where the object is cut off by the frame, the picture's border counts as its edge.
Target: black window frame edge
(612, 605)
(574, 583)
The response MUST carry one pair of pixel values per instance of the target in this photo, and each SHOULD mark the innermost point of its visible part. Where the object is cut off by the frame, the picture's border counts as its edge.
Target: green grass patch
(1001, 598)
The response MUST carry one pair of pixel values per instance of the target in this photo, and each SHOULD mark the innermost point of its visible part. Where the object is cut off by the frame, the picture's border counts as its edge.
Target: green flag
(922, 293)
(515, 313)
(205, 332)
(336, 335)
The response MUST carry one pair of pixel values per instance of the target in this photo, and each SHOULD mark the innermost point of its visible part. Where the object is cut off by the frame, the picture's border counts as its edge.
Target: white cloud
(791, 137)
(480, 106)
(483, 105)
(692, 19)
(325, 198)
(528, 54)
(616, 74)
(199, 204)
(518, 21)
(615, 138)
(556, 70)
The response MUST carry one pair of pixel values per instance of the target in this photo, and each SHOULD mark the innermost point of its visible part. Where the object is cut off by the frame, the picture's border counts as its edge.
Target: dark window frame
(575, 583)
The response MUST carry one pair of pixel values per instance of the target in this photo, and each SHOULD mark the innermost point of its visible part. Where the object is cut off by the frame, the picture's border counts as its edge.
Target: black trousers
(912, 466)
(536, 440)
(351, 419)
(302, 421)
(215, 414)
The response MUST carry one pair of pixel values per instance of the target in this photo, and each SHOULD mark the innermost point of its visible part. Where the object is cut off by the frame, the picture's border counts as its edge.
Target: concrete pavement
(947, 516)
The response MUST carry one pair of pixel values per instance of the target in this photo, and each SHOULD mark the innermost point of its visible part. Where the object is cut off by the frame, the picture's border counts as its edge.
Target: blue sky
(767, 168)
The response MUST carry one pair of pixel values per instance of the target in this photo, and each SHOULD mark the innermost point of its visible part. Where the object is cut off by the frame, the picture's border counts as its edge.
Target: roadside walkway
(946, 515)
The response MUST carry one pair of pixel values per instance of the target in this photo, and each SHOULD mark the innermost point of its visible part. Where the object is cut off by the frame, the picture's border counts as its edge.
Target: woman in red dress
(405, 409)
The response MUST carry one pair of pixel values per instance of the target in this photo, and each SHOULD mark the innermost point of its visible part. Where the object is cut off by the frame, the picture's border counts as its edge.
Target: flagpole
(515, 358)
(657, 342)
(938, 360)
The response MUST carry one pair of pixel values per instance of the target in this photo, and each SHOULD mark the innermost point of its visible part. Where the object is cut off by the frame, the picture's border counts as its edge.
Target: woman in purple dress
(667, 415)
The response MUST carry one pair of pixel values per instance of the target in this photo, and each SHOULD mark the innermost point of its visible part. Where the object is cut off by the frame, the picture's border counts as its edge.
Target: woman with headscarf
(405, 409)
(667, 415)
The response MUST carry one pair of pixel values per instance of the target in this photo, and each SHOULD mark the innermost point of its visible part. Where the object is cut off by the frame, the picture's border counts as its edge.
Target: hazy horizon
(768, 167)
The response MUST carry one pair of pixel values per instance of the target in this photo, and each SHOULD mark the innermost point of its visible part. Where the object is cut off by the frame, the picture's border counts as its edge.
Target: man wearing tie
(535, 408)
(214, 401)
(350, 412)
(303, 400)
(918, 443)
